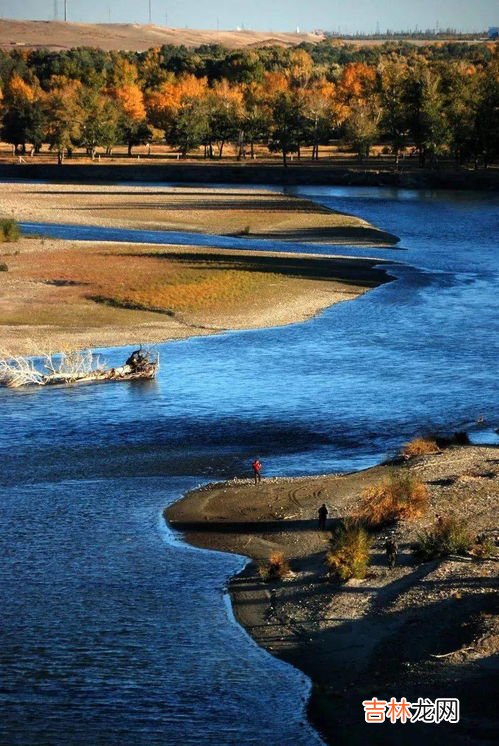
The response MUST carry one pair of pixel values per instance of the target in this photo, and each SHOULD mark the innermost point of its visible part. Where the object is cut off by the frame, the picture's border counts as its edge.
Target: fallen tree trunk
(76, 368)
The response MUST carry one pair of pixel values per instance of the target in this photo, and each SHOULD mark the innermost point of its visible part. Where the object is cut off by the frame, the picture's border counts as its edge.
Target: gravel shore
(383, 636)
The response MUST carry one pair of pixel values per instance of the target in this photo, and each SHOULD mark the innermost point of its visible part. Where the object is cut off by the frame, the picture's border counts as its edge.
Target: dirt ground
(419, 630)
(139, 37)
(134, 36)
(58, 294)
(62, 294)
(236, 211)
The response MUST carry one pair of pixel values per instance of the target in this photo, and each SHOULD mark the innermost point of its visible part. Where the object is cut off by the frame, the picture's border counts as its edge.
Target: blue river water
(113, 631)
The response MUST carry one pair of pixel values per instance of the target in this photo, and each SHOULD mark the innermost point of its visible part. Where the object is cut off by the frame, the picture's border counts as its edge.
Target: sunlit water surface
(112, 633)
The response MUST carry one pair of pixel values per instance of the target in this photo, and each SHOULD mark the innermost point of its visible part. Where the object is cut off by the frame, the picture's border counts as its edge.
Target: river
(114, 631)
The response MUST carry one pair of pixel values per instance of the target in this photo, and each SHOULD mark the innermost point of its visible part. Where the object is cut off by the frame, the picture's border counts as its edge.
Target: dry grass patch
(420, 447)
(144, 281)
(400, 497)
(449, 535)
(276, 568)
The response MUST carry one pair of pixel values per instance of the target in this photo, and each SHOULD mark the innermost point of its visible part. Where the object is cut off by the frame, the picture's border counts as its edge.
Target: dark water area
(112, 632)
(185, 238)
(113, 635)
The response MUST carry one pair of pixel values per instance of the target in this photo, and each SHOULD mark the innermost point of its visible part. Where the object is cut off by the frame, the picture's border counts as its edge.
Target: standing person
(391, 549)
(323, 513)
(257, 470)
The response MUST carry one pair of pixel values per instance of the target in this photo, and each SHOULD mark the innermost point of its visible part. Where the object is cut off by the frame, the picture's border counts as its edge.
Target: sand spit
(383, 636)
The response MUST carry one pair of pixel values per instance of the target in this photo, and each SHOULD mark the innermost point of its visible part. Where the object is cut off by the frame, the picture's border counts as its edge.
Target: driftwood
(76, 367)
(453, 652)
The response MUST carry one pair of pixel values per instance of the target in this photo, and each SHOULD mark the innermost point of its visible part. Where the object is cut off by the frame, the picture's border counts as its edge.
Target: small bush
(9, 230)
(420, 447)
(276, 568)
(3, 267)
(246, 230)
(399, 498)
(485, 547)
(349, 553)
(448, 535)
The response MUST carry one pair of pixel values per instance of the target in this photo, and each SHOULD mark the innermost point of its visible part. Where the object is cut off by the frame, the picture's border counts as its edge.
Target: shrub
(276, 568)
(9, 230)
(349, 553)
(420, 447)
(3, 267)
(449, 535)
(485, 547)
(246, 230)
(399, 497)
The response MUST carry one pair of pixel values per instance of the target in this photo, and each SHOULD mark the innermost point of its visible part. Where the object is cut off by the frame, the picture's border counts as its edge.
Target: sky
(345, 16)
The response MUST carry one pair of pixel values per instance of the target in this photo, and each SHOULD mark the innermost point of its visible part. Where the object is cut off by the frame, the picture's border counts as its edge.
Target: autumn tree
(322, 112)
(23, 120)
(179, 108)
(124, 89)
(300, 68)
(64, 117)
(357, 83)
(164, 103)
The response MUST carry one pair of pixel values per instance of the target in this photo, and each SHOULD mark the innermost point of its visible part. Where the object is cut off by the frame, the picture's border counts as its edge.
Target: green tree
(98, 121)
(255, 127)
(392, 92)
(486, 131)
(426, 117)
(361, 129)
(288, 127)
(24, 122)
(134, 133)
(189, 128)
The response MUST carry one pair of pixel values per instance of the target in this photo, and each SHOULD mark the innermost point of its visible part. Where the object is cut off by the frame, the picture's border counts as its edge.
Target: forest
(435, 100)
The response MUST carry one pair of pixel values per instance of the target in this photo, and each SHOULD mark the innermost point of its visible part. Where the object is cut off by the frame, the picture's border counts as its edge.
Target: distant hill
(132, 37)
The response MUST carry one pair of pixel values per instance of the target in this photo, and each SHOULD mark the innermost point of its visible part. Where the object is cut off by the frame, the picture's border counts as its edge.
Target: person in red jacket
(257, 470)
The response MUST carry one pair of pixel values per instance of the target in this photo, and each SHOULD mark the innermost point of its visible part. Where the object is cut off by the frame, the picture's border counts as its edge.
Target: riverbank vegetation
(349, 554)
(420, 447)
(431, 101)
(400, 496)
(377, 624)
(449, 535)
(276, 568)
(9, 230)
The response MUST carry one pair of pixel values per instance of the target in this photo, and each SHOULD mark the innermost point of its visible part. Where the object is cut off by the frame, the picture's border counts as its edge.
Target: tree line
(441, 100)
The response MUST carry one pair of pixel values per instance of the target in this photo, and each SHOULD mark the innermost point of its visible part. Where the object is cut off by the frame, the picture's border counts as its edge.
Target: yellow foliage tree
(164, 103)
(356, 82)
(131, 100)
(301, 68)
(18, 90)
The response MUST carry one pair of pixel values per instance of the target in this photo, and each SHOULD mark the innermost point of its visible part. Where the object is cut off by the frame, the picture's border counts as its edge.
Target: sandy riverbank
(378, 636)
(236, 211)
(59, 294)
